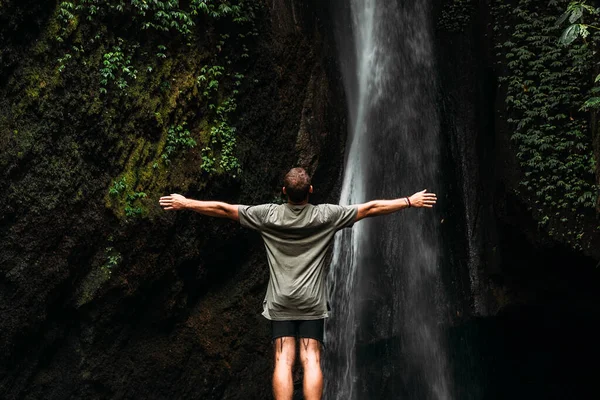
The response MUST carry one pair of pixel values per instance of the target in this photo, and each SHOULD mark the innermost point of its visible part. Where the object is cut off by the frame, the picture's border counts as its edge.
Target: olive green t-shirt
(296, 238)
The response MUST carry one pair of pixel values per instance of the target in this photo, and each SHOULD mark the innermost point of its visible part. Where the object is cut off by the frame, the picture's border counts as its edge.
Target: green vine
(545, 84)
(575, 15)
(116, 67)
(219, 152)
(208, 80)
(222, 136)
(178, 139)
(113, 259)
(130, 199)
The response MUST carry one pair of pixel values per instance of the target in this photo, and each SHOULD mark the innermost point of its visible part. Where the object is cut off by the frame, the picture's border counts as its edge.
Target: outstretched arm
(211, 208)
(381, 207)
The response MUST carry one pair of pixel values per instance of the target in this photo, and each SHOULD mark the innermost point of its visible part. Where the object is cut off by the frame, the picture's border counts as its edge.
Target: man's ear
(310, 189)
(283, 190)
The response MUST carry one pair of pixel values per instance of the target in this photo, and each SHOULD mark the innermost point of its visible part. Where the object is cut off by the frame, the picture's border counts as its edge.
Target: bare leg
(285, 354)
(310, 355)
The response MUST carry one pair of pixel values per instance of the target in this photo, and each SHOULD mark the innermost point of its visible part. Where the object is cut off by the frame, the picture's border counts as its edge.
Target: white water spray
(384, 337)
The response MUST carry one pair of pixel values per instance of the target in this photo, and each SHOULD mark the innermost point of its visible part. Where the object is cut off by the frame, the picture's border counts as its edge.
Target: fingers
(431, 200)
(425, 199)
(166, 202)
(172, 196)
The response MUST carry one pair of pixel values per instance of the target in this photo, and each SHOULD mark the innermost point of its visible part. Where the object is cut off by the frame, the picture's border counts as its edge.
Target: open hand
(173, 202)
(423, 199)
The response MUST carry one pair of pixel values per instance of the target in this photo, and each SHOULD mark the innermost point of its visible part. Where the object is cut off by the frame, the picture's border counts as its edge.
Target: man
(296, 236)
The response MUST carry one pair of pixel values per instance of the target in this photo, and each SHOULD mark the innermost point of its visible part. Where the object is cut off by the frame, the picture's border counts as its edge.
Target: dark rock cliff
(524, 300)
(97, 302)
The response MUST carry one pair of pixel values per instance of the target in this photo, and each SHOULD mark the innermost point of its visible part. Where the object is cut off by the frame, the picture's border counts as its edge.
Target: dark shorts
(308, 329)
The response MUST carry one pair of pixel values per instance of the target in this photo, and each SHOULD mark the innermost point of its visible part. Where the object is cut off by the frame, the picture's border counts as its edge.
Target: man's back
(296, 238)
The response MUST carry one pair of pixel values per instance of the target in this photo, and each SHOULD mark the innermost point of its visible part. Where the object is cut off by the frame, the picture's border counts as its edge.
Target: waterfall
(385, 335)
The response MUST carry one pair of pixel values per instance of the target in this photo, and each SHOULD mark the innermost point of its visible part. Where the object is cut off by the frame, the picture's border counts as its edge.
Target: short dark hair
(297, 184)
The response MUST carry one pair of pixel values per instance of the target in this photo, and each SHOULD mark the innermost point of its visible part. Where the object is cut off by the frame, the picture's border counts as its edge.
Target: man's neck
(302, 203)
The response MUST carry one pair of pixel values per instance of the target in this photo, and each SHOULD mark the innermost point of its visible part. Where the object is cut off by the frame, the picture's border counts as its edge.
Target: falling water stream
(385, 337)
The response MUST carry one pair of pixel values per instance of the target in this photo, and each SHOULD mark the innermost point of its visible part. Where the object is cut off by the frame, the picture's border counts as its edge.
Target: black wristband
(408, 201)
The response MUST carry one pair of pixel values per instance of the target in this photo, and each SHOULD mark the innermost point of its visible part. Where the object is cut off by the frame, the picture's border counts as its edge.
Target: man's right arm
(211, 208)
(382, 207)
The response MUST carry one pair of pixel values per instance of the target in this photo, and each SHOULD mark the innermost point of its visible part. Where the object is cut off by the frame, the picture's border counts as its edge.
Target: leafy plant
(118, 187)
(116, 67)
(66, 18)
(219, 154)
(208, 80)
(178, 138)
(130, 199)
(221, 149)
(113, 259)
(544, 83)
(575, 14)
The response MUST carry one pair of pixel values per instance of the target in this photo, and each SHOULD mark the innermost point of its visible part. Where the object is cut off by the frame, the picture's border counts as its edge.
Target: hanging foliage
(546, 85)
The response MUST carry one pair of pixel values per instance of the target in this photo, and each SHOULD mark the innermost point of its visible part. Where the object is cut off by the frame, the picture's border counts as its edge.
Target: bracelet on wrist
(408, 202)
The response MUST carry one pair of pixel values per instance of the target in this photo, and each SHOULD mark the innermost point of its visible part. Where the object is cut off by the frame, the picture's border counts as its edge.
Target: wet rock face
(519, 295)
(487, 209)
(168, 306)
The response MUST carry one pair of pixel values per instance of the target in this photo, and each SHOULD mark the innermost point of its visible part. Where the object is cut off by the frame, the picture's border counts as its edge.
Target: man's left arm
(217, 209)
(382, 207)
